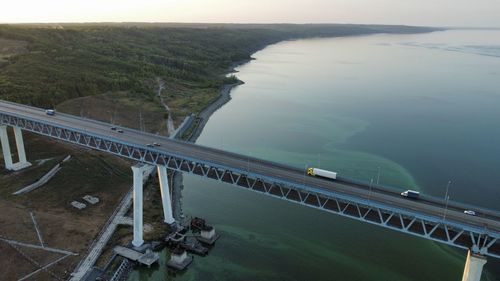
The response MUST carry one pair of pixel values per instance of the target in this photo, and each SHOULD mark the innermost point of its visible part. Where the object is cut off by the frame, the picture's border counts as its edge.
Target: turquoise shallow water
(424, 109)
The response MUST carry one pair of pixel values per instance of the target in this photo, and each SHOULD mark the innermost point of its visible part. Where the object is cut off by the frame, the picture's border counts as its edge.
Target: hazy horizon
(443, 13)
(243, 23)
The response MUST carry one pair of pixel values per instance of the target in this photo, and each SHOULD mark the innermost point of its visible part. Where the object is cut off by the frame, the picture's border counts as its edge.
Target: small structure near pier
(181, 239)
(147, 258)
(179, 259)
(177, 237)
(193, 238)
(208, 235)
(207, 232)
(194, 246)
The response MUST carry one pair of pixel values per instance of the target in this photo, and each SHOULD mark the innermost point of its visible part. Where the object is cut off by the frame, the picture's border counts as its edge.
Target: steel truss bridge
(429, 218)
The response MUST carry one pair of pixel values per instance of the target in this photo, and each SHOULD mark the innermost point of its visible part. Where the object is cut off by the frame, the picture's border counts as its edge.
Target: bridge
(428, 217)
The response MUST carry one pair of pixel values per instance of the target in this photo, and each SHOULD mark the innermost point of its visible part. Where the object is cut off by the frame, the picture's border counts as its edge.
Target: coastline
(177, 177)
(206, 113)
(223, 98)
(203, 116)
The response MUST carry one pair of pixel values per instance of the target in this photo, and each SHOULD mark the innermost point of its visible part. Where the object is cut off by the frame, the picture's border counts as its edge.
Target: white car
(469, 212)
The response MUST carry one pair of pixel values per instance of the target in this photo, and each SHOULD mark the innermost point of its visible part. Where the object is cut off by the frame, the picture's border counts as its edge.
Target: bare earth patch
(61, 226)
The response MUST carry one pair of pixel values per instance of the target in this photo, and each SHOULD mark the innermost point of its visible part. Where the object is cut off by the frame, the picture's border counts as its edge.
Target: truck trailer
(315, 172)
(411, 194)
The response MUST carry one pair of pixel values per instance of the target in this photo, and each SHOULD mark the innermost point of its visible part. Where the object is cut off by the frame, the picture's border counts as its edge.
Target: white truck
(315, 172)
(410, 194)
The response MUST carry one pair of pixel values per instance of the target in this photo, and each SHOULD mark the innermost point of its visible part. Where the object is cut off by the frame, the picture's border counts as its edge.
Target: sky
(473, 13)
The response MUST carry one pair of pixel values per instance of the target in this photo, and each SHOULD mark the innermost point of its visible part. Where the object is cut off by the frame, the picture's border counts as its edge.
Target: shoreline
(204, 117)
(224, 97)
(207, 112)
(225, 91)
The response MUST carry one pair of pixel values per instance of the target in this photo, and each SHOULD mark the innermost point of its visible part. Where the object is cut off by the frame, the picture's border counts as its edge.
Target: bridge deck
(265, 175)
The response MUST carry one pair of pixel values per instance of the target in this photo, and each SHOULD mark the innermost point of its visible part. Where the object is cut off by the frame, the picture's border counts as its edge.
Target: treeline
(74, 60)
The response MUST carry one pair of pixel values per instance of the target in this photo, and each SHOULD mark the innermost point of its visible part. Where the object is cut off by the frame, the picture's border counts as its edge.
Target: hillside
(63, 62)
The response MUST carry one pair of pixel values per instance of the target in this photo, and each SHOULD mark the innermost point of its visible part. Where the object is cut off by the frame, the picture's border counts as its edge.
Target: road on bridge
(390, 196)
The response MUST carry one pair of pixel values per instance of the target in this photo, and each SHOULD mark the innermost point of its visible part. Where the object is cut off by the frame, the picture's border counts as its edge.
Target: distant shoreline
(225, 91)
(205, 114)
(223, 98)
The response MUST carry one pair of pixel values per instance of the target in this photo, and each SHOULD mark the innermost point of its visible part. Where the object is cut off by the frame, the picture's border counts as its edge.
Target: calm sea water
(424, 109)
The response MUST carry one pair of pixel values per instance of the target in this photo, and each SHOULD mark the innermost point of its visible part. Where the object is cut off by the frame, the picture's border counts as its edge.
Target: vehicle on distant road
(156, 144)
(113, 128)
(470, 212)
(50, 112)
(315, 172)
(412, 194)
(120, 131)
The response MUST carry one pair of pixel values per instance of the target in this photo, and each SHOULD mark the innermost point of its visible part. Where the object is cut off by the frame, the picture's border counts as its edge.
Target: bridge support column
(20, 148)
(473, 267)
(138, 171)
(7, 155)
(165, 195)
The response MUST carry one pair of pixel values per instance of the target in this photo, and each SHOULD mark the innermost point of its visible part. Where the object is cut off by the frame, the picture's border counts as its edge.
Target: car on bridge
(469, 212)
(50, 112)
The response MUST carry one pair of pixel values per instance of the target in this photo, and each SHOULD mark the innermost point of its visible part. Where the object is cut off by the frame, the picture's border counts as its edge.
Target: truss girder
(482, 241)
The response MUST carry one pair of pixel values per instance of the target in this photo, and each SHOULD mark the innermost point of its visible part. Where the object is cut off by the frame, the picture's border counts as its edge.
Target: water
(423, 109)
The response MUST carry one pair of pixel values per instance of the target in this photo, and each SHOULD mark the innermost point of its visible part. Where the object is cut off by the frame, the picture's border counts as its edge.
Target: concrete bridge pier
(165, 195)
(7, 155)
(473, 267)
(138, 171)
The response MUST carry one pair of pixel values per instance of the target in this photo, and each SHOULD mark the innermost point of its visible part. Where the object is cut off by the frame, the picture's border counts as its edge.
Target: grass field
(119, 108)
(61, 225)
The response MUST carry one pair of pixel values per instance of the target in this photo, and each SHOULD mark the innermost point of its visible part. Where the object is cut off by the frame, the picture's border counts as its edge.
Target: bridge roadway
(431, 206)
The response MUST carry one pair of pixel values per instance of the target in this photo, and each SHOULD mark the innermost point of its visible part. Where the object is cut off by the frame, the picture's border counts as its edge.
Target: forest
(67, 61)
